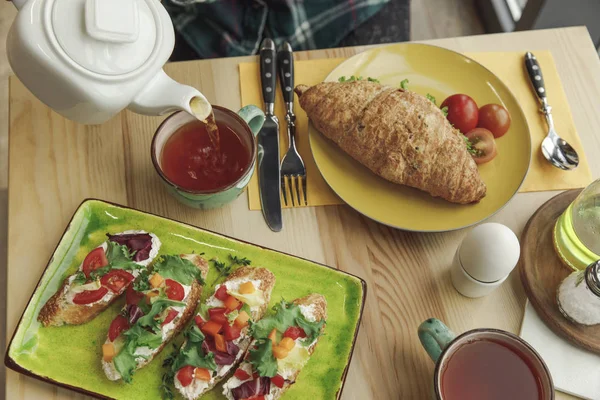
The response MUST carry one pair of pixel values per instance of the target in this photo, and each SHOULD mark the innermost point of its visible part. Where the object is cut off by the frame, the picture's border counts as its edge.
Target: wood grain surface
(542, 272)
(54, 164)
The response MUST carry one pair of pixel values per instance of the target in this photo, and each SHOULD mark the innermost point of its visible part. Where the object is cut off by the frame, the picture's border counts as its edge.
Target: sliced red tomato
(231, 332)
(174, 290)
(241, 374)
(132, 296)
(199, 321)
(463, 112)
(221, 293)
(94, 260)
(484, 144)
(217, 314)
(278, 381)
(294, 332)
(186, 375)
(90, 296)
(494, 118)
(118, 325)
(170, 316)
(116, 280)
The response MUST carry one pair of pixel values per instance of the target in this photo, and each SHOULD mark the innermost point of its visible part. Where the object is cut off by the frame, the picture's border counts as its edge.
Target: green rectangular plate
(70, 356)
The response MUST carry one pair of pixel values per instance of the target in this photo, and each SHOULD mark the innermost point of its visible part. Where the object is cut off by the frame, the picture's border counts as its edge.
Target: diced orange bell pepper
(156, 280)
(280, 352)
(211, 328)
(231, 303)
(287, 343)
(220, 343)
(247, 288)
(242, 319)
(108, 352)
(202, 374)
(273, 336)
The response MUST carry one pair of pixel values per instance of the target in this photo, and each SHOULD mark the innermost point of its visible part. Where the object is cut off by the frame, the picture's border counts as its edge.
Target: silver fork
(293, 172)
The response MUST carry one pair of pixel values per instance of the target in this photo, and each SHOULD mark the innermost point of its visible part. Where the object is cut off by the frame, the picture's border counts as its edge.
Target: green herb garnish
(179, 269)
(354, 78)
(472, 150)
(262, 359)
(225, 269)
(444, 111)
(142, 282)
(404, 84)
(79, 278)
(431, 98)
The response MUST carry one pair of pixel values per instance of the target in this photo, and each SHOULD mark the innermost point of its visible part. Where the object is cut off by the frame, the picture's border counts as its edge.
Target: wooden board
(55, 164)
(542, 272)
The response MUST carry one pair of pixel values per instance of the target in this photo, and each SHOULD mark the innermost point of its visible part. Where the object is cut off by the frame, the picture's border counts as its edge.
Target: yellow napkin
(508, 66)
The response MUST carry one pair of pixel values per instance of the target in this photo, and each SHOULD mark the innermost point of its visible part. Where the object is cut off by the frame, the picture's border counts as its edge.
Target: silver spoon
(554, 148)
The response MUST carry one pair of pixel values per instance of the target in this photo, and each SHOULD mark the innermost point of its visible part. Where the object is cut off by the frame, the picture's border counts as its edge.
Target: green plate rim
(12, 364)
(312, 131)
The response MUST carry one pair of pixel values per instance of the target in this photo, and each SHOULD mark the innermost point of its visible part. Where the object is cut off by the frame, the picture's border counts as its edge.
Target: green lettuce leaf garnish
(286, 315)
(179, 269)
(262, 359)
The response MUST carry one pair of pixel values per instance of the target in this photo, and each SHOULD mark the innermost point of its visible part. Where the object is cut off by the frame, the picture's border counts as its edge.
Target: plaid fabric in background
(220, 28)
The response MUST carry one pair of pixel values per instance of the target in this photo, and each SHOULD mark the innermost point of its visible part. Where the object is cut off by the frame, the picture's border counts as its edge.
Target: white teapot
(89, 59)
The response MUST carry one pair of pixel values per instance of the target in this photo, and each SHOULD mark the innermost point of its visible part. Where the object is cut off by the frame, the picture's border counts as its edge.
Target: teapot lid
(108, 37)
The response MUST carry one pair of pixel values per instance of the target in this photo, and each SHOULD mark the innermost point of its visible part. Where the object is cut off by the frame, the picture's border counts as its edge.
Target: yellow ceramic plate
(441, 73)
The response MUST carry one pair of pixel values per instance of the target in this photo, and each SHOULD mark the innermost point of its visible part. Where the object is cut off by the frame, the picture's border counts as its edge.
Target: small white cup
(468, 286)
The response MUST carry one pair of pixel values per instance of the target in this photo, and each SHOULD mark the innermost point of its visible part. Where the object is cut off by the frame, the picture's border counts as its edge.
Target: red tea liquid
(193, 160)
(489, 370)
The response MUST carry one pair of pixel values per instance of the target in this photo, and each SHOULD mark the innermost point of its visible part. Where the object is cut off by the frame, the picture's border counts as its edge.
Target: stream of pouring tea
(211, 125)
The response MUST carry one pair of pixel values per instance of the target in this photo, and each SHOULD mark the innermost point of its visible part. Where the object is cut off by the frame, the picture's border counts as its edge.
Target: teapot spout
(163, 95)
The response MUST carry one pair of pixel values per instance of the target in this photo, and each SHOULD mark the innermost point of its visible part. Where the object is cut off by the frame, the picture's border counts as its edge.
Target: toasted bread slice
(172, 329)
(314, 308)
(60, 309)
(264, 280)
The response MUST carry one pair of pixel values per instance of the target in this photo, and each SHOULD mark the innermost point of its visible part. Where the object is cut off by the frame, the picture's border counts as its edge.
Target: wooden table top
(55, 164)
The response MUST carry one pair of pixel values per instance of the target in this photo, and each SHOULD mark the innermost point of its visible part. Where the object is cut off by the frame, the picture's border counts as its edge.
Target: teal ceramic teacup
(246, 123)
(484, 364)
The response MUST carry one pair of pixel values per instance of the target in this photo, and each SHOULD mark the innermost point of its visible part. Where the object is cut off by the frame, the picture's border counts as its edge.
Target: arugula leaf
(142, 337)
(444, 111)
(262, 359)
(179, 269)
(142, 282)
(431, 98)
(158, 306)
(125, 362)
(192, 354)
(404, 84)
(286, 315)
(119, 257)
(79, 278)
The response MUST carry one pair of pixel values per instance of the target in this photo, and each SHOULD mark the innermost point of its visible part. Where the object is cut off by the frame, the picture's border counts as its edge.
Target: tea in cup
(203, 170)
(484, 364)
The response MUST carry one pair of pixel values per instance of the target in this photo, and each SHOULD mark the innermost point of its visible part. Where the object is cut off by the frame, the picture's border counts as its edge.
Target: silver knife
(269, 174)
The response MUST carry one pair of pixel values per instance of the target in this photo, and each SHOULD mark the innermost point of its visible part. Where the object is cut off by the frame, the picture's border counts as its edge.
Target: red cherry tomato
(186, 375)
(90, 296)
(118, 325)
(94, 260)
(199, 321)
(231, 332)
(174, 290)
(462, 112)
(483, 142)
(133, 297)
(217, 314)
(495, 119)
(294, 332)
(241, 374)
(116, 280)
(170, 317)
(221, 293)
(278, 381)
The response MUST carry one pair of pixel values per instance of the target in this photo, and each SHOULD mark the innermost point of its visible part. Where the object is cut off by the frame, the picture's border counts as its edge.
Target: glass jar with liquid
(577, 231)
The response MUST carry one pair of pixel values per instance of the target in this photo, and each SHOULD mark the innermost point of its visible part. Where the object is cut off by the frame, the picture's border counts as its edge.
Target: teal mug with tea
(484, 364)
(244, 125)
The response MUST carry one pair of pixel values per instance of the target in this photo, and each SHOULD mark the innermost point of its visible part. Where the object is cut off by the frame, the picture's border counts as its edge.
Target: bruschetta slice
(218, 338)
(282, 345)
(158, 305)
(104, 275)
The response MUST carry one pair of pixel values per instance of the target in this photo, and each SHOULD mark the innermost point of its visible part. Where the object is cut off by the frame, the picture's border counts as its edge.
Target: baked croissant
(398, 134)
